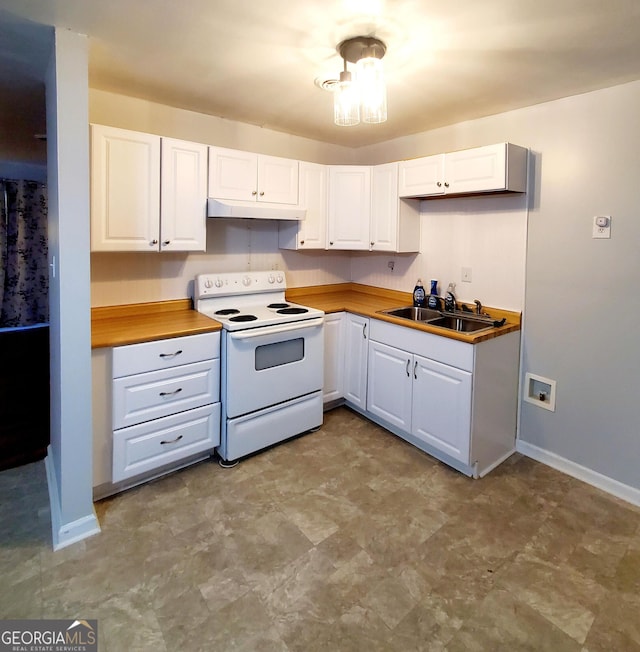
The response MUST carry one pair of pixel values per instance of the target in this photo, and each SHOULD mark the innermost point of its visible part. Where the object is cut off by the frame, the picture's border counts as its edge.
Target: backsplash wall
(232, 246)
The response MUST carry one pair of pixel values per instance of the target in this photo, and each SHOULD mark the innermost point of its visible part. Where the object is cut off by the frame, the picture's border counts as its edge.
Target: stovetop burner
(292, 311)
(243, 318)
(278, 305)
(227, 311)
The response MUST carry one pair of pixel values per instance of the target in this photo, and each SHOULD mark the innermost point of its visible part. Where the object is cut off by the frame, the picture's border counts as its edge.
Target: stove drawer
(156, 394)
(164, 354)
(148, 446)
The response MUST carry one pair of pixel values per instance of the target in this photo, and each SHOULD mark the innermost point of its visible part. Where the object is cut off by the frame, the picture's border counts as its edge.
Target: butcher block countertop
(367, 300)
(145, 322)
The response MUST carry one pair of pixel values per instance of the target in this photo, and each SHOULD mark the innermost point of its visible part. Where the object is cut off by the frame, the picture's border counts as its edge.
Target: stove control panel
(234, 283)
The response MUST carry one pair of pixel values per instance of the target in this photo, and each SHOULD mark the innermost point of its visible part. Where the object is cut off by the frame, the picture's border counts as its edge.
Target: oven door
(272, 364)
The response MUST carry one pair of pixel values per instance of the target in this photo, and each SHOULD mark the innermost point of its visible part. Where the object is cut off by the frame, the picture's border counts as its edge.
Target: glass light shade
(346, 102)
(373, 91)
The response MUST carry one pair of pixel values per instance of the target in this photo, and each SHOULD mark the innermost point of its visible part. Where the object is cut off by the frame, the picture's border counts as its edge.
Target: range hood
(253, 210)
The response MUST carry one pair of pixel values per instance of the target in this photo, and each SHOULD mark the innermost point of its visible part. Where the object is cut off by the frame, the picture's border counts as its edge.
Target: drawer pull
(170, 355)
(172, 441)
(173, 393)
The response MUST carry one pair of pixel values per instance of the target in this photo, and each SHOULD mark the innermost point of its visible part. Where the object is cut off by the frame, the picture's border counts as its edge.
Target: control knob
(208, 283)
(271, 279)
(246, 281)
(219, 283)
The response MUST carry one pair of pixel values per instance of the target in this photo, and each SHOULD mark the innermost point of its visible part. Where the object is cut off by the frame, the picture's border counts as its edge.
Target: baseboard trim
(611, 486)
(65, 534)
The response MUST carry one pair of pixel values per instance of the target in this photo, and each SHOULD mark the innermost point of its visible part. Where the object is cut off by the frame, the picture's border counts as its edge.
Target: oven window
(279, 353)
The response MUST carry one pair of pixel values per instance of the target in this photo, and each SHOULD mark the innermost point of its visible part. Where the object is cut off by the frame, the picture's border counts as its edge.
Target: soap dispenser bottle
(450, 298)
(433, 301)
(418, 295)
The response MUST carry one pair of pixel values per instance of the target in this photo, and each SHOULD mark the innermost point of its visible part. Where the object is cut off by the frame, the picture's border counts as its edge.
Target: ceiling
(256, 62)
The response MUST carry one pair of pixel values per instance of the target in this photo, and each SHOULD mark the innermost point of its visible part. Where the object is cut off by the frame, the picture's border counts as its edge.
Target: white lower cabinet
(428, 399)
(356, 338)
(454, 400)
(156, 408)
(333, 357)
(441, 407)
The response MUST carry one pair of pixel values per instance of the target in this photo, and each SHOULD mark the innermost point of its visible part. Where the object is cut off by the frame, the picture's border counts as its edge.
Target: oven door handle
(276, 330)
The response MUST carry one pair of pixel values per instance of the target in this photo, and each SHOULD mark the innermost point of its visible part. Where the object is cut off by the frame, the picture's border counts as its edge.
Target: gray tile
(345, 539)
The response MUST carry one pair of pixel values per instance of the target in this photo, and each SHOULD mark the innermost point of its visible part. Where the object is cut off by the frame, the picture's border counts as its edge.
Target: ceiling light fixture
(365, 96)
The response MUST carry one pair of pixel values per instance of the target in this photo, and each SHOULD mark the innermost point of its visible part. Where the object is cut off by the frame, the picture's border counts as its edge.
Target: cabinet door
(277, 180)
(349, 206)
(356, 332)
(333, 357)
(421, 177)
(481, 169)
(125, 190)
(384, 207)
(441, 414)
(183, 206)
(233, 174)
(390, 380)
(310, 233)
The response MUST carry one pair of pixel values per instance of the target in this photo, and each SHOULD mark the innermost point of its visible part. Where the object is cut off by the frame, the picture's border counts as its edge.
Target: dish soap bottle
(450, 298)
(433, 301)
(418, 295)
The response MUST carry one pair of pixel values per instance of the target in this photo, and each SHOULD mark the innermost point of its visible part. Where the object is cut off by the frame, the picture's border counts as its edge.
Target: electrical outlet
(466, 275)
(601, 226)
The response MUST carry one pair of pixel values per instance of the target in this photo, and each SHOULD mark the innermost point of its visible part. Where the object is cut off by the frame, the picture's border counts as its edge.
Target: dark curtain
(24, 276)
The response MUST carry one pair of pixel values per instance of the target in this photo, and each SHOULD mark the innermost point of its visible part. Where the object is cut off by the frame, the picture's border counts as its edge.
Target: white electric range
(271, 359)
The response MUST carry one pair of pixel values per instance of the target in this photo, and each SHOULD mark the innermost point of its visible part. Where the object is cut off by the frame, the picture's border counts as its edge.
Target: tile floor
(345, 539)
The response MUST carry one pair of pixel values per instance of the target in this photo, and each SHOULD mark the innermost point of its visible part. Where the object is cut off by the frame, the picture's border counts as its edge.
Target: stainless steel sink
(462, 323)
(412, 313)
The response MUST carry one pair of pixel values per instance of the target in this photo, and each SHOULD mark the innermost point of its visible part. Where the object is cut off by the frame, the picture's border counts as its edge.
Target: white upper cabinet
(310, 233)
(349, 206)
(420, 177)
(125, 190)
(494, 168)
(183, 196)
(395, 222)
(147, 193)
(245, 176)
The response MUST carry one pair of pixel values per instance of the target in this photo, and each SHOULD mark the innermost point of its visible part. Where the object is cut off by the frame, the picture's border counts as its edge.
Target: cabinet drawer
(164, 354)
(148, 446)
(159, 393)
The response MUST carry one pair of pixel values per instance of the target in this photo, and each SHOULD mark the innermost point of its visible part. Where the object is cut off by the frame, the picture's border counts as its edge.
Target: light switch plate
(466, 274)
(601, 226)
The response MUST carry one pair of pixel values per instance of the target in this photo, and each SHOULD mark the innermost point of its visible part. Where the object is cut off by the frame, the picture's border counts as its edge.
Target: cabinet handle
(171, 355)
(446, 184)
(171, 441)
(153, 242)
(173, 393)
(372, 243)
(364, 331)
(262, 194)
(301, 242)
(330, 243)
(254, 193)
(166, 242)
(408, 365)
(439, 184)
(415, 369)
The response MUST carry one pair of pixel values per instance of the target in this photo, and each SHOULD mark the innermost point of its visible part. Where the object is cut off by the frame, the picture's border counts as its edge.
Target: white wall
(487, 234)
(69, 455)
